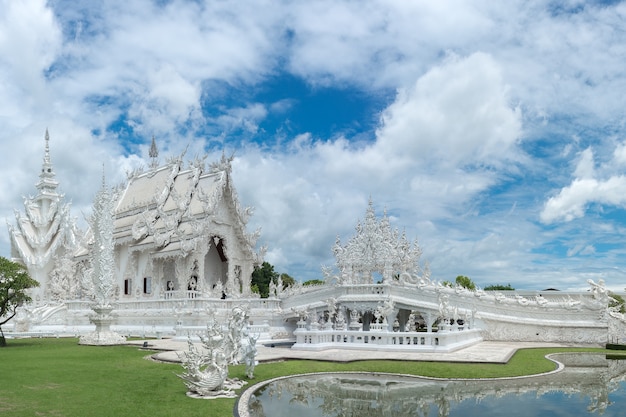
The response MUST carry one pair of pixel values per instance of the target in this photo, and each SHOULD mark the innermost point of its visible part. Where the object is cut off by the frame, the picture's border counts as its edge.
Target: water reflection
(589, 384)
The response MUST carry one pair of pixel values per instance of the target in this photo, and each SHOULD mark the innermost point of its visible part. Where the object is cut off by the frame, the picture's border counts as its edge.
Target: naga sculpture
(206, 368)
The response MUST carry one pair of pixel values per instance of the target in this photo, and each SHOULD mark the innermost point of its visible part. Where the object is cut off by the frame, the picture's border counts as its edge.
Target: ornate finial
(47, 183)
(223, 164)
(46, 155)
(104, 183)
(153, 153)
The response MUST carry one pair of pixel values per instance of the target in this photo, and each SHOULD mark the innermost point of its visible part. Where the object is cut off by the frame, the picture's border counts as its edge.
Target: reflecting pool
(590, 384)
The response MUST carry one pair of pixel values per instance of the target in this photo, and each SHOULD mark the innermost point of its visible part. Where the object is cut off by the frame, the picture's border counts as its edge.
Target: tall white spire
(154, 153)
(44, 236)
(103, 270)
(47, 184)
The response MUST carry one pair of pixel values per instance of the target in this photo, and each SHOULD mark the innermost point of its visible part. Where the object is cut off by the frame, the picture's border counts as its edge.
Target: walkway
(483, 352)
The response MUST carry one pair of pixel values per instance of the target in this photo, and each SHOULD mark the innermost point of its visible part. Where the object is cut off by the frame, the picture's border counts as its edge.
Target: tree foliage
(465, 282)
(617, 301)
(287, 279)
(264, 275)
(499, 287)
(14, 281)
(313, 282)
(261, 278)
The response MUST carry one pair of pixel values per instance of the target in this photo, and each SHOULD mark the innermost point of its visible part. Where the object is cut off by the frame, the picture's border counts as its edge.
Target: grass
(59, 378)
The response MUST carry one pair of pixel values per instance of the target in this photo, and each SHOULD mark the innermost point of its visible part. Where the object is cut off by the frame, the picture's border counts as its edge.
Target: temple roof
(170, 204)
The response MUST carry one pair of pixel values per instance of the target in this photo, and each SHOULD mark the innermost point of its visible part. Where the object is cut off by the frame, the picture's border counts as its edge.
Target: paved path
(483, 352)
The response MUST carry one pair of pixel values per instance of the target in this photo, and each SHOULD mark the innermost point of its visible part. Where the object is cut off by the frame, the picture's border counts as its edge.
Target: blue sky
(491, 132)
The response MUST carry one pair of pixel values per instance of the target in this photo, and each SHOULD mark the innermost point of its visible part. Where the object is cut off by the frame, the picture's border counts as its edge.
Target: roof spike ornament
(153, 153)
(46, 157)
(47, 183)
(224, 164)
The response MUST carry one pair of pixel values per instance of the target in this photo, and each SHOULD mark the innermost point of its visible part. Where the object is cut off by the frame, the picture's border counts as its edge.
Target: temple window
(147, 285)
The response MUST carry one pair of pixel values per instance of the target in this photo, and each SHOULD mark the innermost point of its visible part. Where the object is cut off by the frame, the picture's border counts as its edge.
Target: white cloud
(377, 43)
(571, 201)
(30, 39)
(455, 115)
(243, 118)
(581, 249)
(619, 156)
(608, 187)
(585, 167)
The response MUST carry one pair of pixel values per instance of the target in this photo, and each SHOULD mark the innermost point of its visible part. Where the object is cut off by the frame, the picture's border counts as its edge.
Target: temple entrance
(216, 264)
(169, 276)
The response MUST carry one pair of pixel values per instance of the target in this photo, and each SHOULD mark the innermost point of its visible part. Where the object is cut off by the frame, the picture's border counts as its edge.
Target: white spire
(154, 153)
(47, 183)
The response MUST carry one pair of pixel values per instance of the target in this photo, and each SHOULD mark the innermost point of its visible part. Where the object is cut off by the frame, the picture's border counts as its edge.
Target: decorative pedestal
(103, 335)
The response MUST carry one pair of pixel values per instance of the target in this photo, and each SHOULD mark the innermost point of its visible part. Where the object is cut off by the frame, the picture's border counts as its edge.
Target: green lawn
(59, 378)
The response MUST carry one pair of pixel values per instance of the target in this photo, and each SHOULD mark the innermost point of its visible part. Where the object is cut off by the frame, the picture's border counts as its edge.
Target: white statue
(272, 292)
(206, 369)
(205, 372)
(249, 355)
(340, 320)
(598, 290)
(236, 324)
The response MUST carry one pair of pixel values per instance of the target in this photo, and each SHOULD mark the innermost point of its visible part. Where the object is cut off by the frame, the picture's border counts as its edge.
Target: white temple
(182, 255)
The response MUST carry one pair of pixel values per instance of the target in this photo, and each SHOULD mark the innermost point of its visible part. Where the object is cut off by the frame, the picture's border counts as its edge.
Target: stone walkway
(483, 352)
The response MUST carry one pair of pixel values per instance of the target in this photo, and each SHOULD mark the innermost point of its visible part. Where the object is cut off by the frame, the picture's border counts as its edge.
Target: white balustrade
(375, 340)
(194, 332)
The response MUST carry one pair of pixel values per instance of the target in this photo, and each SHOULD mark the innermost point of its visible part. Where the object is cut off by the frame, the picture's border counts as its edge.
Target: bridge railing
(309, 339)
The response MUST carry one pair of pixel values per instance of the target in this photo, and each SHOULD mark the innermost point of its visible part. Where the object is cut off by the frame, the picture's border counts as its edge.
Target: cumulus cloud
(586, 188)
(456, 115)
(30, 40)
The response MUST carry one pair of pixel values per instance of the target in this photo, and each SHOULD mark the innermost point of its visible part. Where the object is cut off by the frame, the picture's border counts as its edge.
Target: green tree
(287, 279)
(617, 301)
(313, 282)
(465, 282)
(14, 281)
(262, 276)
(499, 287)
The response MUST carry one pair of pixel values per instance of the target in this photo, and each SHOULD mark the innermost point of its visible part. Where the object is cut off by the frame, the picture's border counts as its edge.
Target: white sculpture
(206, 370)
(385, 310)
(102, 272)
(598, 290)
(249, 355)
(237, 322)
(340, 320)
